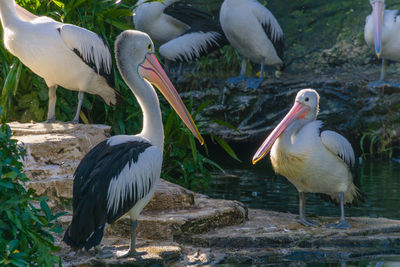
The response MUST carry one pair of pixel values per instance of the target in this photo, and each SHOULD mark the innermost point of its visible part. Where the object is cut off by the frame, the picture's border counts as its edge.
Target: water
(260, 188)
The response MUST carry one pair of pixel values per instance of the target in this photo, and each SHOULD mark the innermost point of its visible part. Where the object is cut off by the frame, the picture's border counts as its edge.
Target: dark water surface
(260, 188)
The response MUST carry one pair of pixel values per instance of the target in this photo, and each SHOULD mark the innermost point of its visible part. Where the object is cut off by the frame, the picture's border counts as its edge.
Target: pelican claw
(306, 222)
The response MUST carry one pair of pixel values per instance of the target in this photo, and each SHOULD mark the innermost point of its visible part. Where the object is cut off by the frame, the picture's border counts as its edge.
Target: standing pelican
(252, 30)
(119, 175)
(313, 161)
(184, 31)
(382, 33)
(62, 54)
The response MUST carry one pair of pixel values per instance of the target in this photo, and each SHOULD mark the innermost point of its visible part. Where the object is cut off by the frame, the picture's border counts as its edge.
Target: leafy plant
(25, 230)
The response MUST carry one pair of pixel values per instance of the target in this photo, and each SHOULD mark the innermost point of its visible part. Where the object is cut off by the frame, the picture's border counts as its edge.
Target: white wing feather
(338, 145)
(90, 46)
(266, 18)
(195, 44)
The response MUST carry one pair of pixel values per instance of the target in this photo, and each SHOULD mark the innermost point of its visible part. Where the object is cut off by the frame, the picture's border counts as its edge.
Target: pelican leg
(342, 224)
(381, 81)
(78, 109)
(132, 250)
(254, 83)
(51, 113)
(242, 76)
(302, 207)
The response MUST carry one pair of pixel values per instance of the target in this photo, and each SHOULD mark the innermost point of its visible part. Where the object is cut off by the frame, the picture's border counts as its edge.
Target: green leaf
(228, 149)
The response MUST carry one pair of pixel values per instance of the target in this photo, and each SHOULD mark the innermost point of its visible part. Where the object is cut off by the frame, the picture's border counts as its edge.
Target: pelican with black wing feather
(62, 54)
(120, 174)
(255, 33)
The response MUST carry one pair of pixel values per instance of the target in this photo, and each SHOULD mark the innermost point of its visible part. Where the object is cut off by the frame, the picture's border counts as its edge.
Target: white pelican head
(134, 52)
(305, 108)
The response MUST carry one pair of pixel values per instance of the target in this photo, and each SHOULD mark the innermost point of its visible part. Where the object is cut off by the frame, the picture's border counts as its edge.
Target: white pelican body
(62, 54)
(313, 161)
(119, 175)
(151, 19)
(253, 30)
(382, 33)
(184, 32)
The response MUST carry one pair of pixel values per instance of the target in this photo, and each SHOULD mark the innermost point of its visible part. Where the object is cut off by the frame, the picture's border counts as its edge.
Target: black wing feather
(278, 43)
(91, 183)
(199, 21)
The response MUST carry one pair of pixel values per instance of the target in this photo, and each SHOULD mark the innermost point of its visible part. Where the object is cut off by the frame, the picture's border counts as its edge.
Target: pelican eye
(149, 47)
(306, 99)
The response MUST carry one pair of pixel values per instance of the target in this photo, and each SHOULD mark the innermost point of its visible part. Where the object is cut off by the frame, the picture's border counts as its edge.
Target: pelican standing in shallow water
(382, 33)
(62, 54)
(252, 30)
(313, 161)
(119, 175)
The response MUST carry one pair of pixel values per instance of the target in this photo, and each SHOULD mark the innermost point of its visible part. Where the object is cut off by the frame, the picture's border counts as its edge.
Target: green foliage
(25, 230)
(184, 163)
(378, 143)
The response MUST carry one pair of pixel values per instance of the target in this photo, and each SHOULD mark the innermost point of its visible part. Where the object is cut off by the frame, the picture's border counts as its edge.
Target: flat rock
(269, 235)
(176, 225)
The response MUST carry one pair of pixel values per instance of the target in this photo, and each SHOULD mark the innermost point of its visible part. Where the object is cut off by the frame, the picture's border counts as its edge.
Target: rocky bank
(180, 227)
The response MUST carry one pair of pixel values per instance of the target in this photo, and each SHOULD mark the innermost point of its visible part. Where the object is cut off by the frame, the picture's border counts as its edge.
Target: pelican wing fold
(90, 48)
(270, 25)
(93, 179)
(339, 146)
(204, 36)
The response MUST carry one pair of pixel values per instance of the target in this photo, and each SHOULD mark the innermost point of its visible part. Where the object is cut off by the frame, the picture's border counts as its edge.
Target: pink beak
(298, 111)
(152, 71)
(377, 13)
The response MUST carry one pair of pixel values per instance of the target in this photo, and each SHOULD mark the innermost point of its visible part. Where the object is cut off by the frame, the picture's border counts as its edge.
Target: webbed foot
(236, 80)
(254, 83)
(339, 225)
(132, 253)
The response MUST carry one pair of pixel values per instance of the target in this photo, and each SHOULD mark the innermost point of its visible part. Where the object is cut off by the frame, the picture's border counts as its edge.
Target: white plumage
(313, 161)
(62, 54)
(184, 32)
(195, 44)
(253, 30)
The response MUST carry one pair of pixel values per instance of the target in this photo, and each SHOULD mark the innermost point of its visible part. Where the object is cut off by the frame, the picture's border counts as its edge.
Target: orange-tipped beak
(298, 111)
(152, 71)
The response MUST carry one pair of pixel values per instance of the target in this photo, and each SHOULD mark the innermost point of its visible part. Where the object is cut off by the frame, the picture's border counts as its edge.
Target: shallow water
(260, 188)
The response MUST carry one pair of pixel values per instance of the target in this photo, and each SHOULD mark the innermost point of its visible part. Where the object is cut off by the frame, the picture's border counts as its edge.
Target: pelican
(62, 54)
(382, 33)
(120, 174)
(313, 161)
(255, 33)
(184, 32)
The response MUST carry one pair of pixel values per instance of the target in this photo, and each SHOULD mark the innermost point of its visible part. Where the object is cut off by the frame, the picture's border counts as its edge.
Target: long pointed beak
(377, 14)
(298, 111)
(152, 71)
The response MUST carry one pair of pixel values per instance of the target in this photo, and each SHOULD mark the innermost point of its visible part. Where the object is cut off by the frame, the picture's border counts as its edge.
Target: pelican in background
(255, 33)
(184, 31)
(313, 161)
(382, 33)
(62, 54)
(120, 174)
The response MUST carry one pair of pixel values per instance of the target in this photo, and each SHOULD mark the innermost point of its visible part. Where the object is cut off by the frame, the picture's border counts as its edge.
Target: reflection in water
(262, 189)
